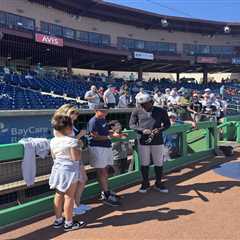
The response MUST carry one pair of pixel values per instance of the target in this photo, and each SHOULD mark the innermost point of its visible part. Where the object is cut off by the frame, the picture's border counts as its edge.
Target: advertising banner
(12, 129)
(51, 40)
(143, 55)
(210, 60)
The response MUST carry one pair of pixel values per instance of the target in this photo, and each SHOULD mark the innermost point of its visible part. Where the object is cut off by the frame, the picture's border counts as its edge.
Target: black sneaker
(111, 201)
(58, 224)
(74, 226)
(161, 188)
(144, 188)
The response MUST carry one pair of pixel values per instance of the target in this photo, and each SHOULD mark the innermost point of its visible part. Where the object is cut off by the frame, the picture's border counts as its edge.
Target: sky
(220, 10)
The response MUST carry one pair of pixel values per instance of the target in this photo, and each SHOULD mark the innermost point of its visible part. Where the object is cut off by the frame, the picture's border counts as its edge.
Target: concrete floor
(201, 205)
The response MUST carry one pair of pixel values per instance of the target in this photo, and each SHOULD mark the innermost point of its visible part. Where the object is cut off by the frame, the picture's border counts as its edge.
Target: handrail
(15, 151)
(226, 124)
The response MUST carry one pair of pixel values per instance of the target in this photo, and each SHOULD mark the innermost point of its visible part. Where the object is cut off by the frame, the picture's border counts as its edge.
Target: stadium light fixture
(227, 29)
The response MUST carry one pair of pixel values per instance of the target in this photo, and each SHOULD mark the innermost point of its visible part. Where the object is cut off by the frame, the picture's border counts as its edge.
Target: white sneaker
(84, 207)
(78, 211)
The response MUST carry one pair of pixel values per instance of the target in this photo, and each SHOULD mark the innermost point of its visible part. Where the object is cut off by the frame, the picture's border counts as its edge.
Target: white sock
(59, 219)
(68, 223)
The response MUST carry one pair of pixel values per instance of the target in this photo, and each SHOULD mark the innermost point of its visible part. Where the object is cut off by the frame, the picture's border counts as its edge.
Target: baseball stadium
(117, 123)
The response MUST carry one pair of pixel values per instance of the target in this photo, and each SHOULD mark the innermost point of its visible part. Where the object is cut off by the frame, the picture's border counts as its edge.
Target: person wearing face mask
(149, 122)
(92, 97)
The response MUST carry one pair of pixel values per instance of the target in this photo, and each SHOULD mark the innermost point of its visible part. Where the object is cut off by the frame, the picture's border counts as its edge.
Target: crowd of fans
(187, 98)
(186, 104)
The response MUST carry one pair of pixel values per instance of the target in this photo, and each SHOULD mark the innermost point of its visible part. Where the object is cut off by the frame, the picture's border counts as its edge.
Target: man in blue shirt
(101, 155)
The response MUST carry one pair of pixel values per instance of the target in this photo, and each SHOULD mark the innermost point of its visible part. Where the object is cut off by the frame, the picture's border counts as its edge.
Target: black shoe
(144, 188)
(111, 201)
(161, 188)
(58, 224)
(74, 226)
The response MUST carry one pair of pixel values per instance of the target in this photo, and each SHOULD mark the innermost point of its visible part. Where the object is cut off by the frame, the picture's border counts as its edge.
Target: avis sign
(51, 40)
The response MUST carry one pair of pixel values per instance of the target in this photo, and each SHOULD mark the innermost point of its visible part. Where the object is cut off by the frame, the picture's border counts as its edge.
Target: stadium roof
(113, 12)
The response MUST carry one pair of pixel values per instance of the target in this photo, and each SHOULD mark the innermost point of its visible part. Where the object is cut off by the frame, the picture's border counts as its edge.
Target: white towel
(32, 147)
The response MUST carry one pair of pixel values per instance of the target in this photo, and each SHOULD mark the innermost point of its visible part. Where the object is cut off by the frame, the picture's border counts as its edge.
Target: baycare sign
(51, 40)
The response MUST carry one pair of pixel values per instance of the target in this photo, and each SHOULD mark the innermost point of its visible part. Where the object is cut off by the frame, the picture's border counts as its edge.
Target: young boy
(120, 149)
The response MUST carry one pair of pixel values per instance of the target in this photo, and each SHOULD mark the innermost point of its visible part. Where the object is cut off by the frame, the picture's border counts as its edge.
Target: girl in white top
(65, 172)
(72, 112)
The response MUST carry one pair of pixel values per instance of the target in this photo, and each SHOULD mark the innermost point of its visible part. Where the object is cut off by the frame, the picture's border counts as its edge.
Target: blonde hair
(67, 109)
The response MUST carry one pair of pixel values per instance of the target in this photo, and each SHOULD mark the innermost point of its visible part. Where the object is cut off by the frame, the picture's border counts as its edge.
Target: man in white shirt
(158, 99)
(109, 98)
(173, 99)
(206, 101)
(215, 103)
(141, 92)
(166, 95)
(92, 97)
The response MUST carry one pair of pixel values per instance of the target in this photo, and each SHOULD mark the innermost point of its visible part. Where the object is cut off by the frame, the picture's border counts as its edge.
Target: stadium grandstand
(91, 53)
(116, 40)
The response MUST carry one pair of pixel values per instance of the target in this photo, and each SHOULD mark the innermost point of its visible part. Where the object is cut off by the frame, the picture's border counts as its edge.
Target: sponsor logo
(51, 40)
(29, 131)
(2, 128)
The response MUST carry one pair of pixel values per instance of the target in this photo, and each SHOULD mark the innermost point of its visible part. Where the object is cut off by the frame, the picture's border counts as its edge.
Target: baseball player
(149, 121)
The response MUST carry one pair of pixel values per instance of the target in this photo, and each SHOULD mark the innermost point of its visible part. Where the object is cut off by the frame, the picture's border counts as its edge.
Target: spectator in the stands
(195, 108)
(123, 88)
(135, 89)
(222, 90)
(141, 91)
(158, 98)
(123, 100)
(131, 77)
(6, 70)
(206, 102)
(173, 99)
(109, 98)
(223, 106)
(182, 101)
(166, 95)
(92, 97)
(100, 93)
(207, 91)
(216, 104)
